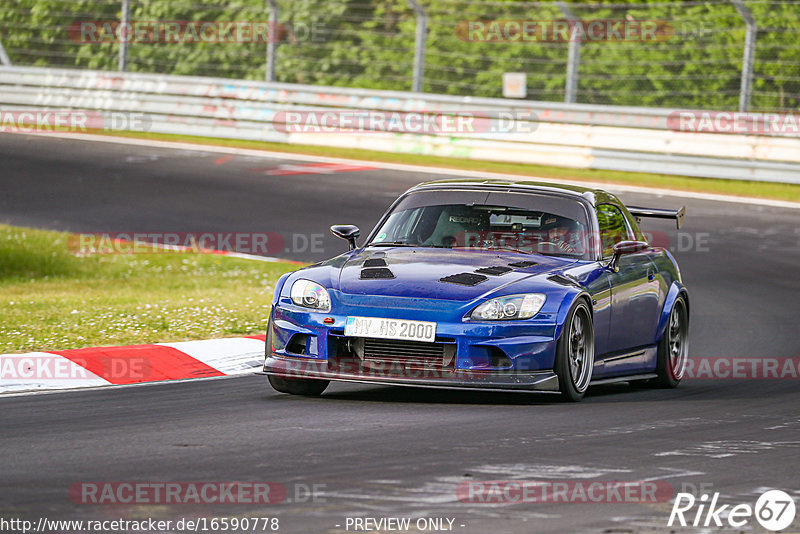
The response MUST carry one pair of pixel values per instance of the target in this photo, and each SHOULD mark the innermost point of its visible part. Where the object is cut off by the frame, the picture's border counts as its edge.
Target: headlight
(510, 307)
(311, 295)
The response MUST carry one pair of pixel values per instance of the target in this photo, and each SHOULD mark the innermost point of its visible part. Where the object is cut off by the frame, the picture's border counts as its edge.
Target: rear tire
(575, 353)
(673, 348)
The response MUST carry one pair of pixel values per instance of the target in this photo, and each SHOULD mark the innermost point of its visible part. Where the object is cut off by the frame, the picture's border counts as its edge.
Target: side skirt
(629, 378)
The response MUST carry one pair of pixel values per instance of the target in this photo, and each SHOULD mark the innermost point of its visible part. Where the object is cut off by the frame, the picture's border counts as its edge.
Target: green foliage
(370, 44)
(51, 299)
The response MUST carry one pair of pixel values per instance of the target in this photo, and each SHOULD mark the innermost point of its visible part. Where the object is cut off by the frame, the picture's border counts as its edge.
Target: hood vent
(375, 262)
(563, 280)
(497, 270)
(523, 264)
(376, 273)
(464, 279)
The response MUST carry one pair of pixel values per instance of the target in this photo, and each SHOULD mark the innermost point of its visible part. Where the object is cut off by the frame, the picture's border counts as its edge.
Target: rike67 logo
(774, 510)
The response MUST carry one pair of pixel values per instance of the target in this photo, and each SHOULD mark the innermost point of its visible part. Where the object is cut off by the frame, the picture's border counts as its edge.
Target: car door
(634, 287)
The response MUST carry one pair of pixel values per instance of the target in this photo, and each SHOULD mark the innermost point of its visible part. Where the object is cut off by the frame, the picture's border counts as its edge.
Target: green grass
(776, 191)
(51, 299)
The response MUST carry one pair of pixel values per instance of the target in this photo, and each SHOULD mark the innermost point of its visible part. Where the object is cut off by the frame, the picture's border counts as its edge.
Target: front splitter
(308, 368)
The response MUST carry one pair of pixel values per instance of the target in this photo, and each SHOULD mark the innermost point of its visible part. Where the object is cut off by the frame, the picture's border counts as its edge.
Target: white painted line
(230, 254)
(421, 169)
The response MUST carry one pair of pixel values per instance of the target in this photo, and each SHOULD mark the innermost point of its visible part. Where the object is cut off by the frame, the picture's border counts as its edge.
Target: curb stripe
(69, 375)
(139, 363)
(232, 356)
(134, 365)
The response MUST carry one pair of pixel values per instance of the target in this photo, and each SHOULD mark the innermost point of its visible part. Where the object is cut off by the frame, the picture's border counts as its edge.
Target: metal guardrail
(561, 134)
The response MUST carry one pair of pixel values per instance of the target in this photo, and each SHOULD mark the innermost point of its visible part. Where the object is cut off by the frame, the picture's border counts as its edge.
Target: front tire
(673, 348)
(575, 353)
(298, 386)
(292, 386)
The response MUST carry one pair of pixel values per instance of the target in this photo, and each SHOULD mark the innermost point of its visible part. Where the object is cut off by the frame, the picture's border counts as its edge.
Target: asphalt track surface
(396, 452)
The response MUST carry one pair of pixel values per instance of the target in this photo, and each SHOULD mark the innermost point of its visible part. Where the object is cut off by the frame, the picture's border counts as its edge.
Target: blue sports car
(491, 285)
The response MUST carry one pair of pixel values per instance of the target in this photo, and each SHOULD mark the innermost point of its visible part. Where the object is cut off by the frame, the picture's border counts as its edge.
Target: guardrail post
(4, 57)
(750, 37)
(124, 35)
(419, 46)
(573, 54)
(272, 39)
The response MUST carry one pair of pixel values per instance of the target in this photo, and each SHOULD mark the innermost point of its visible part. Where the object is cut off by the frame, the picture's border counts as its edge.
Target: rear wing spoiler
(659, 213)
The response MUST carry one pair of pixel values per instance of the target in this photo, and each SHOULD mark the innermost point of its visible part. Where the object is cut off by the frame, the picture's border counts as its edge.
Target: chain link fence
(717, 54)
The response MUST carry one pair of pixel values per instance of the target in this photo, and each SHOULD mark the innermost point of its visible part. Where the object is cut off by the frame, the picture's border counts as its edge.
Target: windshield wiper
(509, 249)
(420, 245)
(402, 244)
(390, 244)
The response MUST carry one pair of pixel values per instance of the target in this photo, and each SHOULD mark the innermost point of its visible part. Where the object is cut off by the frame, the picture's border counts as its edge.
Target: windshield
(544, 225)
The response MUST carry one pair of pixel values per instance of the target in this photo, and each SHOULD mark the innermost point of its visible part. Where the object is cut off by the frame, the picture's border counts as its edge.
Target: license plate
(390, 328)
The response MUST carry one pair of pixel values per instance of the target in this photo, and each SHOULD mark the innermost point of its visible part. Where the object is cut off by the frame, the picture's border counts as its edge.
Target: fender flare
(676, 289)
(276, 294)
(566, 305)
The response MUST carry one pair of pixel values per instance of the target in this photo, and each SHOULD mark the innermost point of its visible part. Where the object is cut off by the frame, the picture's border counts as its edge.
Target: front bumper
(542, 381)
(507, 356)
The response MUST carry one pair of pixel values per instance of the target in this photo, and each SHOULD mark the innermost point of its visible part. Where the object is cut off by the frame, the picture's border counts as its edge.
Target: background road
(395, 451)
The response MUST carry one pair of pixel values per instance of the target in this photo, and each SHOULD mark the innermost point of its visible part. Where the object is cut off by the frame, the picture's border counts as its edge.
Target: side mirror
(625, 247)
(348, 232)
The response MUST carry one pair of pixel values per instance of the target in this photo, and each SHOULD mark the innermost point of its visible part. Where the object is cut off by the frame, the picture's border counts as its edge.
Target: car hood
(417, 272)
